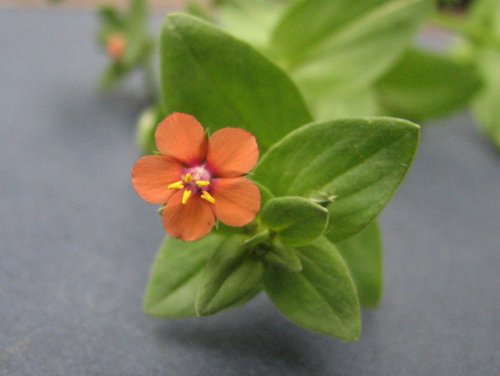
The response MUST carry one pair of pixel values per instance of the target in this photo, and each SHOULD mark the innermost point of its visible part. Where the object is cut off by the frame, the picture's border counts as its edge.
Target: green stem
(257, 239)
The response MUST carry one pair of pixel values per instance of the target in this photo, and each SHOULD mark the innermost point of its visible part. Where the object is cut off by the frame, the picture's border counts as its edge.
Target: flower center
(196, 180)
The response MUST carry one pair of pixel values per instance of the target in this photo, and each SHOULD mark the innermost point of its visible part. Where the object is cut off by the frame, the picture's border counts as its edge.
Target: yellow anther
(185, 196)
(202, 183)
(188, 178)
(177, 185)
(208, 197)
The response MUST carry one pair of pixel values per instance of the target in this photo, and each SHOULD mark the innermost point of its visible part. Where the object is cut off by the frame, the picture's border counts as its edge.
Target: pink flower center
(196, 180)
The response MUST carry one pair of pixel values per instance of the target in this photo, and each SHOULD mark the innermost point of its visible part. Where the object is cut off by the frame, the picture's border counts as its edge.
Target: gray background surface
(76, 244)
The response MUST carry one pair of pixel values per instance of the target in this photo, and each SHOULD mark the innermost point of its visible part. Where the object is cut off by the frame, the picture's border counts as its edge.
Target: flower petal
(182, 137)
(152, 174)
(237, 201)
(190, 221)
(232, 152)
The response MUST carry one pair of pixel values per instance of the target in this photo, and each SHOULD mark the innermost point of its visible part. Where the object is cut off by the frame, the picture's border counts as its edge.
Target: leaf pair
(311, 285)
(201, 278)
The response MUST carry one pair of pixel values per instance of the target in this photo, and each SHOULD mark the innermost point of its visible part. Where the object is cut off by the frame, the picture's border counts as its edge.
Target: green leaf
(284, 257)
(176, 275)
(344, 44)
(360, 161)
(423, 85)
(363, 255)
(322, 297)
(231, 275)
(224, 82)
(297, 220)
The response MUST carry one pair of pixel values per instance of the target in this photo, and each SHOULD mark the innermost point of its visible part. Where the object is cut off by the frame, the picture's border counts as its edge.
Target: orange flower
(115, 45)
(199, 180)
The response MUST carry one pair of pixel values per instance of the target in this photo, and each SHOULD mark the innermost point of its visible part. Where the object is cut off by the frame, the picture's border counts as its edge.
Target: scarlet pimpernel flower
(115, 46)
(199, 180)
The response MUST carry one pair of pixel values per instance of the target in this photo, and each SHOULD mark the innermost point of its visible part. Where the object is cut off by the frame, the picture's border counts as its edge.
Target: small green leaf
(345, 44)
(231, 275)
(360, 161)
(423, 85)
(321, 297)
(363, 255)
(175, 277)
(224, 82)
(284, 257)
(297, 220)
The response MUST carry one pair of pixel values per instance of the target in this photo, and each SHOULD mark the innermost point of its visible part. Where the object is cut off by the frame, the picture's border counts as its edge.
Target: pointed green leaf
(423, 85)
(321, 297)
(284, 257)
(363, 255)
(343, 44)
(360, 161)
(175, 277)
(231, 275)
(224, 82)
(297, 220)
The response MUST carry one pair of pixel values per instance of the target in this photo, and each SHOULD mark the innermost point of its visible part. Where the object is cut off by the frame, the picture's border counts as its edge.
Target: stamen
(188, 178)
(208, 197)
(185, 196)
(177, 185)
(202, 183)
